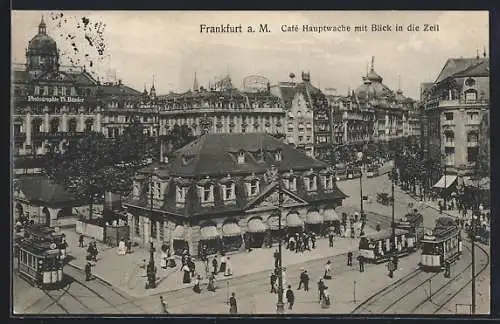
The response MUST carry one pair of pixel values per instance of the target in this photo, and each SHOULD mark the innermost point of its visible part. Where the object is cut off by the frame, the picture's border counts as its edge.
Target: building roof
(39, 188)
(480, 69)
(455, 65)
(214, 154)
(118, 90)
(76, 77)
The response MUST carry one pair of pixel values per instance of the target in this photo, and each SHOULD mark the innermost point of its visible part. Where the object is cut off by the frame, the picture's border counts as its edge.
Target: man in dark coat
(88, 271)
(233, 306)
(330, 239)
(290, 297)
(304, 280)
(321, 289)
(276, 259)
(313, 240)
(349, 258)
(215, 266)
(361, 260)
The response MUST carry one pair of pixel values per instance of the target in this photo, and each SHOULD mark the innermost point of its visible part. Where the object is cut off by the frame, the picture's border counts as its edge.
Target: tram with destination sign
(414, 224)
(39, 258)
(441, 245)
(377, 248)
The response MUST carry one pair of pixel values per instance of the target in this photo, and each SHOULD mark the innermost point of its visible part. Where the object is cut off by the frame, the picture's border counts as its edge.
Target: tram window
(429, 248)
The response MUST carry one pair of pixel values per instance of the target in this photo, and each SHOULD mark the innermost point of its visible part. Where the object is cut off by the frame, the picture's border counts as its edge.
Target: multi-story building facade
(308, 117)
(222, 109)
(218, 191)
(455, 107)
(390, 109)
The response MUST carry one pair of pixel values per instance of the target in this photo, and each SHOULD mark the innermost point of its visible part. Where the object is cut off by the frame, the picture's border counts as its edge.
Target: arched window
(72, 125)
(89, 123)
(54, 125)
(470, 94)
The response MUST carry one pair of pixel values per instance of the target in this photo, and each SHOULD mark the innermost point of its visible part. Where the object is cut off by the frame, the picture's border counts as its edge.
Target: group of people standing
(299, 242)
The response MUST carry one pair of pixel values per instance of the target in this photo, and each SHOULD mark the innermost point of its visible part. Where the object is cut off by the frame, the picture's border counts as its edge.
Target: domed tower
(42, 54)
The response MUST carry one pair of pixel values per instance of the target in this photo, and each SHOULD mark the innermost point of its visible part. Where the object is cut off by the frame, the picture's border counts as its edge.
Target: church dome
(42, 44)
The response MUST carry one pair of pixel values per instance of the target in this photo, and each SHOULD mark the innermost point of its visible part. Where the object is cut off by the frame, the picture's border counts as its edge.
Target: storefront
(231, 237)
(180, 243)
(314, 222)
(294, 223)
(331, 220)
(209, 236)
(256, 232)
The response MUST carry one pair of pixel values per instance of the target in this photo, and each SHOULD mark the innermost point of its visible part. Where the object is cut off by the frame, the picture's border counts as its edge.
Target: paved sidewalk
(347, 290)
(125, 273)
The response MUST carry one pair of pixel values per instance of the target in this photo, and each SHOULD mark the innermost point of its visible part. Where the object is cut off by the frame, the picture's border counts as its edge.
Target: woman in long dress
(211, 282)
(222, 264)
(187, 275)
(328, 274)
(229, 268)
(196, 287)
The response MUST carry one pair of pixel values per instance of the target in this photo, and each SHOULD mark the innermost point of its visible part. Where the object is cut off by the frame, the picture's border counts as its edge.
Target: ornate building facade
(455, 107)
(218, 191)
(222, 109)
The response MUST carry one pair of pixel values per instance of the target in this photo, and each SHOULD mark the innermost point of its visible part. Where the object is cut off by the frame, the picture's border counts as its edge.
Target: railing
(435, 103)
(49, 135)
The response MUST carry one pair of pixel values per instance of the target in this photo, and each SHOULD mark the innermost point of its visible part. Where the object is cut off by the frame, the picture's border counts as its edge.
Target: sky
(167, 46)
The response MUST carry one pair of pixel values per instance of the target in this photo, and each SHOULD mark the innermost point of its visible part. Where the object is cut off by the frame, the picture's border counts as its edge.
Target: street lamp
(394, 262)
(275, 176)
(151, 270)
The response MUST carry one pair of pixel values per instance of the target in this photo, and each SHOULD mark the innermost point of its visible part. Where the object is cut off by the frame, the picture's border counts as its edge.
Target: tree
(179, 136)
(84, 167)
(132, 147)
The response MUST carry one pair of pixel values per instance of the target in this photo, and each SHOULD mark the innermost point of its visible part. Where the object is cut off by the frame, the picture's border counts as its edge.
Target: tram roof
(38, 247)
(384, 234)
(440, 234)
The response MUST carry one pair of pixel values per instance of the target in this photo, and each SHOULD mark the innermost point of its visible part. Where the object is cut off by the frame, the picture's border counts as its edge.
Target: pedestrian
(273, 278)
(186, 274)
(80, 241)
(88, 271)
(94, 251)
(330, 239)
(328, 274)
(233, 306)
(361, 260)
(215, 266)
(290, 297)
(211, 282)
(349, 258)
(63, 246)
(304, 280)
(192, 266)
(321, 289)
(163, 305)
(196, 287)
(313, 240)
(276, 259)
(377, 228)
(325, 302)
(229, 268)
(222, 263)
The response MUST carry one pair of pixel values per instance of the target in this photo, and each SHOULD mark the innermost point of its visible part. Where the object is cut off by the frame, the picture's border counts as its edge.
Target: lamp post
(151, 270)
(393, 265)
(275, 176)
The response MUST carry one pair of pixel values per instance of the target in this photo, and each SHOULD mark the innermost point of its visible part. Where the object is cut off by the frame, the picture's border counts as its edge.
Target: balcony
(462, 103)
(56, 135)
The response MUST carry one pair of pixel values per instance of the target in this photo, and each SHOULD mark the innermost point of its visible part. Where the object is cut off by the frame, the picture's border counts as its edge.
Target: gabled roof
(481, 69)
(455, 65)
(118, 89)
(78, 77)
(215, 154)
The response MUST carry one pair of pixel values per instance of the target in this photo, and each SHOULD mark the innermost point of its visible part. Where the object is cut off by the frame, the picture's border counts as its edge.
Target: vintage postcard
(231, 163)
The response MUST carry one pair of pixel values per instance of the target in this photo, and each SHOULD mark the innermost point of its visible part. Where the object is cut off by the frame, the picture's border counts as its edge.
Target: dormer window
(181, 194)
(328, 181)
(37, 90)
(254, 187)
(277, 155)
(229, 191)
(73, 91)
(46, 90)
(291, 183)
(63, 91)
(241, 157)
(311, 182)
(55, 92)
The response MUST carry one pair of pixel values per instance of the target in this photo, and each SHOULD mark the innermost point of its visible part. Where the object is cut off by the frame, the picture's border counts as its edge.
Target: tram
(39, 257)
(340, 171)
(377, 248)
(441, 245)
(414, 224)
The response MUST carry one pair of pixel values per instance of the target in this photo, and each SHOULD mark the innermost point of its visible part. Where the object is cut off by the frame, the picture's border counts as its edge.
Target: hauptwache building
(217, 192)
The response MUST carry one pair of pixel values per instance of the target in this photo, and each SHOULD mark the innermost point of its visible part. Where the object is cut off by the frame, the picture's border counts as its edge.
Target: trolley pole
(361, 192)
(280, 305)
(473, 271)
(393, 227)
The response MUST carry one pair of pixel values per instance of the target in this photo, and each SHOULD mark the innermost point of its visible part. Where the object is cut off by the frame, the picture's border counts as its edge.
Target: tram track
(377, 303)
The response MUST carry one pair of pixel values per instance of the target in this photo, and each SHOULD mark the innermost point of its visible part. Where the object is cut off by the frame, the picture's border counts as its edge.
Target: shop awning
(179, 232)
(231, 229)
(445, 182)
(482, 184)
(273, 222)
(209, 233)
(314, 217)
(256, 225)
(330, 215)
(293, 220)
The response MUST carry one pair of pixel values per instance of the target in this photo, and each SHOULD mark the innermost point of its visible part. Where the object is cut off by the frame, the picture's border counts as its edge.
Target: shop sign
(55, 99)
